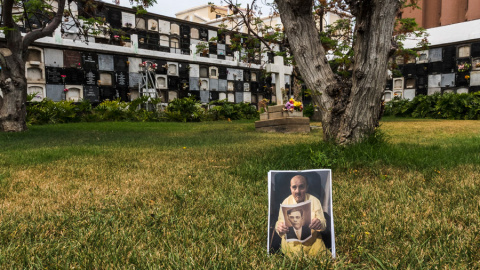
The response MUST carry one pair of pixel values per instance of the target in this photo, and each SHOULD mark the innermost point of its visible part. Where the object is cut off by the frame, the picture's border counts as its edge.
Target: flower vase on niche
(65, 91)
(293, 108)
(63, 78)
(116, 40)
(464, 67)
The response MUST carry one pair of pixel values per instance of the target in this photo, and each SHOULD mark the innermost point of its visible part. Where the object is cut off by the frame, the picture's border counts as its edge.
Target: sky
(170, 7)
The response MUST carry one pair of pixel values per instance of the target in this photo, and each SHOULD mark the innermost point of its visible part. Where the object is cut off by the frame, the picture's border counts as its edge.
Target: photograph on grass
(300, 218)
(297, 221)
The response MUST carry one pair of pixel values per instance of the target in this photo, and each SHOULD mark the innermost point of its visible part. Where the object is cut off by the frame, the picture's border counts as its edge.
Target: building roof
(200, 7)
(452, 33)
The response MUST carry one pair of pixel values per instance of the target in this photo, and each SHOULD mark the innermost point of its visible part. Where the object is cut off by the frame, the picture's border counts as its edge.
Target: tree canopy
(345, 63)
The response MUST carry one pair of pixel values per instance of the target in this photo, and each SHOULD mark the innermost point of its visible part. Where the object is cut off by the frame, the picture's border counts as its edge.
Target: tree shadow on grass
(369, 155)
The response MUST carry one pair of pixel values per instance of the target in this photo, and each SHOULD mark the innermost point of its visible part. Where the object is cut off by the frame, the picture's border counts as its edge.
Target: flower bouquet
(464, 67)
(293, 105)
(293, 108)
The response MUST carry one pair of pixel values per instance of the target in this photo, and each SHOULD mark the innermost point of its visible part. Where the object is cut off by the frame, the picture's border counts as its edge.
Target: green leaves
(184, 110)
(446, 106)
(224, 110)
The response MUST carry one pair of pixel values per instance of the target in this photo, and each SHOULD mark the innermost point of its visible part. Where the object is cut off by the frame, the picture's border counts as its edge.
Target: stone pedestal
(276, 120)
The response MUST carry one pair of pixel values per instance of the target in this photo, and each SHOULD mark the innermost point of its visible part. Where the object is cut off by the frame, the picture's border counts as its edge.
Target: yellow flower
(184, 147)
(297, 104)
(367, 233)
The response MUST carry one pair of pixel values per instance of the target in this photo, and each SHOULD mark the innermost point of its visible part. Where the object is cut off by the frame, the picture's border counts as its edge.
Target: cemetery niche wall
(451, 68)
(107, 67)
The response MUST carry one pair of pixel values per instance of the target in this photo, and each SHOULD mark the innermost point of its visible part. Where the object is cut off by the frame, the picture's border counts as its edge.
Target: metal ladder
(148, 83)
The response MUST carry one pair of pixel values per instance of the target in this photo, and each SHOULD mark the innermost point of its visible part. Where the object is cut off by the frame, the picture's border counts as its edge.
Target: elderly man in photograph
(313, 246)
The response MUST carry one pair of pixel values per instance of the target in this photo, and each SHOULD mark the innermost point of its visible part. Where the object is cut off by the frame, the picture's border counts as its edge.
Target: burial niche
(140, 23)
(34, 74)
(463, 51)
(203, 84)
(152, 25)
(174, 29)
(387, 96)
(254, 99)
(172, 95)
(105, 79)
(213, 72)
(203, 72)
(172, 69)
(162, 82)
(398, 83)
(422, 57)
(73, 94)
(37, 90)
(448, 91)
(164, 27)
(410, 83)
(174, 43)
(34, 57)
(476, 63)
(164, 41)
(230, 86)
(194, 33)
(462, 90)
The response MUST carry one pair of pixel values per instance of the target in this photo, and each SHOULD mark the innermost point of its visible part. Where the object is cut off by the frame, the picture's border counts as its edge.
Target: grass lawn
(194, 195)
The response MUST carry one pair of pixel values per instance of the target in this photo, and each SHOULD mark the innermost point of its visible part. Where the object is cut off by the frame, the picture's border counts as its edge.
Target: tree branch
(48, 30)
(7, 13)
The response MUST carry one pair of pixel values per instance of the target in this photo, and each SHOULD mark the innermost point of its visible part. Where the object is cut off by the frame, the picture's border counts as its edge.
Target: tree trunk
(13, 85)
(350, 107)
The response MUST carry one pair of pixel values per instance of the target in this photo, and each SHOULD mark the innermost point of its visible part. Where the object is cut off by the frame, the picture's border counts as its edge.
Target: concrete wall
(434, 13)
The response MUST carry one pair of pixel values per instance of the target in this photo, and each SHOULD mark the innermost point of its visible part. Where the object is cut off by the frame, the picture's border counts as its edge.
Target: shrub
(141, 109)
(50, 112)
(446, 106)
(112, 110)
(184, 110)
(308, 110)
(247, 111)
(222, 109)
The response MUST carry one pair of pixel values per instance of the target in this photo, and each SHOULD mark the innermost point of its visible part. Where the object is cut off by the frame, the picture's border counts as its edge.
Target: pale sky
(170, 7)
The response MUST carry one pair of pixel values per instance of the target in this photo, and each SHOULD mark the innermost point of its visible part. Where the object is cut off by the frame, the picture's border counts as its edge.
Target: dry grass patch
(169, 195)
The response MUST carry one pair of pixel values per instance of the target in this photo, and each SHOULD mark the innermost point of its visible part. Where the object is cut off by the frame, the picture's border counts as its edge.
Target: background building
(109, 65)
(452, 62)
(435, 13)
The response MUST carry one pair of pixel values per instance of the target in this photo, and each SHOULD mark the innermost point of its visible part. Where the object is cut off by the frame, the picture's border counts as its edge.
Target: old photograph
(300, 218)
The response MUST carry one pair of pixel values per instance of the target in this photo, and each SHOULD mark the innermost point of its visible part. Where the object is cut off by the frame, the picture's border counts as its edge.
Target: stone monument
(278, 120)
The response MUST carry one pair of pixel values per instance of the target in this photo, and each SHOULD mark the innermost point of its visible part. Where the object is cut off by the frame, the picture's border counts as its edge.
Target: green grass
(194, 195)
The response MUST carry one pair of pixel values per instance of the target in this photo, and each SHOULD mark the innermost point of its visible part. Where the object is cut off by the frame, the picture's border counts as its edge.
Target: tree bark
(350, 107)
(13, 85)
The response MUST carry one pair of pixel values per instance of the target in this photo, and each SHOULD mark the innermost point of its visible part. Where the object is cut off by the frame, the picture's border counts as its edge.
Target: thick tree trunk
(350, 108)
(13, 85)
(372, 47)
(12, 104)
